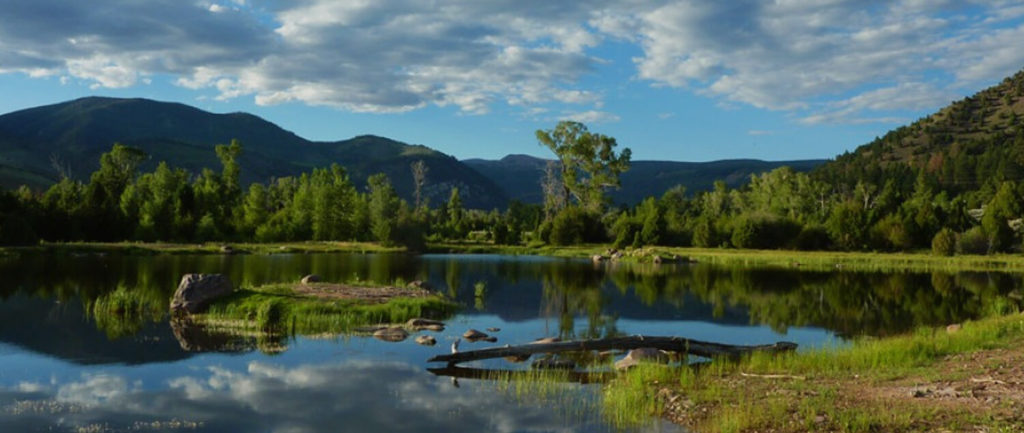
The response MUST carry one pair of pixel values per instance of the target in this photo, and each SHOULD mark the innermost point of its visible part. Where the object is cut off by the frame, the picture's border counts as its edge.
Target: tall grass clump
(123, 312)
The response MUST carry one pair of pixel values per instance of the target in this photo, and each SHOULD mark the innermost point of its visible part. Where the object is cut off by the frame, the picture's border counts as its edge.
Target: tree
(383, 208)
(589, 163)
(419, 179)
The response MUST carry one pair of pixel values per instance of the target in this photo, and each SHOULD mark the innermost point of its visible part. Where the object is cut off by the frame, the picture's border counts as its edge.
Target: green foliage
(588, 160)
(944, 243)
(973, 241)
(383, 206)
(574, 225)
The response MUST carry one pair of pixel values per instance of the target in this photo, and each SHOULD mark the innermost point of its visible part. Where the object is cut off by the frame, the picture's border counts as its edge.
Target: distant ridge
(519, 175)
(73, 134)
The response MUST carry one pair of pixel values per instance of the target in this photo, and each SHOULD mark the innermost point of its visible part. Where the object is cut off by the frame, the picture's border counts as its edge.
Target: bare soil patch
(375, 295)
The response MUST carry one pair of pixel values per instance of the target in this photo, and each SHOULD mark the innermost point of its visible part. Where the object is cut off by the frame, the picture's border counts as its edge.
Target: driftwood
(673, 344)
(513, 375)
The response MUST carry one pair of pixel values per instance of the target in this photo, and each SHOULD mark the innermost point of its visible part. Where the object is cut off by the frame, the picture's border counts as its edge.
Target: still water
(62, 369)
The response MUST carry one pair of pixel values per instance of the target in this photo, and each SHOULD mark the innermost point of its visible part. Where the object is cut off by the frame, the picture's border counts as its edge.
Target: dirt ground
(975, 392)
(369, 294)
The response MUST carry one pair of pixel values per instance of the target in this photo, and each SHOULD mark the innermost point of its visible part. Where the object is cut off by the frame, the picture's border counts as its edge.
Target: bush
(944, 243)
(764, 232)
(973, 241)
(813, 237)
(573, 225)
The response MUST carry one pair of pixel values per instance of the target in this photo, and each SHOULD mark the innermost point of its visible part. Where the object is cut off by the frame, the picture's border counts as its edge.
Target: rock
(311, 278)
(493, 329)
(474, 335)
(393, 334)
(426, 340)
(226, 249)
(418, 324)
(597, 258)
(553, 364)
(635, 356)
(419, 284)
(195, 291)
(954, 328)
(546, 340)
(657, 260)
(616, 255)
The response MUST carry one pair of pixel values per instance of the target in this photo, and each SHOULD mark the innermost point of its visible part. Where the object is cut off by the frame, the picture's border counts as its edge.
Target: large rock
(195, 291)
(421, 324)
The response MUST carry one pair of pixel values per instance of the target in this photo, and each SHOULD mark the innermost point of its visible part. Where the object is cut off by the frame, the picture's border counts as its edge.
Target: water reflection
(125, 297)
(347, 396)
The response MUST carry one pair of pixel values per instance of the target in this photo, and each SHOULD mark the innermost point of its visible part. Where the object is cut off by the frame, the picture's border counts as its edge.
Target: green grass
(123, 312)
(277, 309)
(818, 389)
(920, 261)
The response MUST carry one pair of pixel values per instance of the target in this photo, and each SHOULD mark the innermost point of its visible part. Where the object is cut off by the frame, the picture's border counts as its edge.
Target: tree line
(851, 204)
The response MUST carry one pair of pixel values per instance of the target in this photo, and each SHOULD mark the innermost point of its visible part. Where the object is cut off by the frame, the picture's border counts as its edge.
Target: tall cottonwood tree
(589, 163)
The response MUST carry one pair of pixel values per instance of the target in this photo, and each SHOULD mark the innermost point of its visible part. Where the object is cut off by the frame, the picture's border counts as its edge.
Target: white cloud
(814, 58)
(592, 116)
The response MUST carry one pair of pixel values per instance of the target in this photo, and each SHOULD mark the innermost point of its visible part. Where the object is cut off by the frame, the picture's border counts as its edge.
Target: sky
(678, 80)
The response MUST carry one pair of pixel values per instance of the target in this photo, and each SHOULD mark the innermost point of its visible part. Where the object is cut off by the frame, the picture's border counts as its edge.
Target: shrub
(944, 243)
(973, 241)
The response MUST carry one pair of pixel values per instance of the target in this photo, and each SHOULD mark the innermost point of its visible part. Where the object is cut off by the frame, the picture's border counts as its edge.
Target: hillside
(965, 145)
(72, 135)
(519, 175)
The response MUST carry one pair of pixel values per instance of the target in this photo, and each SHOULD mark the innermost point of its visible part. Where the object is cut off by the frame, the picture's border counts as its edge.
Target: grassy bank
(280, 309)
(931, 380)
(922, 261)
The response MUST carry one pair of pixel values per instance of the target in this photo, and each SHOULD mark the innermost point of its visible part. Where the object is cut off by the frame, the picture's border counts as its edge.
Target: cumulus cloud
(810, 57)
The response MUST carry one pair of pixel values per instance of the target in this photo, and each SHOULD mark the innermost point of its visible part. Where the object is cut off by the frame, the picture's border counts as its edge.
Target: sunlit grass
(124, 312)
(277, 309)
(802, 391)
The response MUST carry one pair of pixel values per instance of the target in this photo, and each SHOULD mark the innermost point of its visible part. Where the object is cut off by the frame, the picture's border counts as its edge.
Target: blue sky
(680, 80)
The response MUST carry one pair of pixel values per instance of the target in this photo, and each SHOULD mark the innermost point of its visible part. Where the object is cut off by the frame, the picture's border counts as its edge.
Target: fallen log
(514, 375)
(672, 344)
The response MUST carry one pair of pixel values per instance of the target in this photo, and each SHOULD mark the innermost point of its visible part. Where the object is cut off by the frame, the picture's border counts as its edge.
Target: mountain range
(39, 145)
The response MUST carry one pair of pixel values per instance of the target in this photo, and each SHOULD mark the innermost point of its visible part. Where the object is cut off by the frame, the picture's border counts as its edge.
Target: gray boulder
(393, 334)
(195, 291)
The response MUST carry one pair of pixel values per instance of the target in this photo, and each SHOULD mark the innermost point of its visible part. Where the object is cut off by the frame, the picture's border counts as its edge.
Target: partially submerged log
(583, 377)
(673, 344)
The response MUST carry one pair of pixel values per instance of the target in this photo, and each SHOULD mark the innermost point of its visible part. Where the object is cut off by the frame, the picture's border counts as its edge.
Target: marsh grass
(277, 309)
(816, 390)
(123, 312)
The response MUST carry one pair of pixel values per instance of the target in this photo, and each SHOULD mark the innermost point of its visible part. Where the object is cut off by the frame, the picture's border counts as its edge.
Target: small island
(309, 307)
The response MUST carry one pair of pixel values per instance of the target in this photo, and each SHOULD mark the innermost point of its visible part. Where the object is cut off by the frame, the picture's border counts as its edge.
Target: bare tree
(555, 195)
(62, 168)
(419, 179)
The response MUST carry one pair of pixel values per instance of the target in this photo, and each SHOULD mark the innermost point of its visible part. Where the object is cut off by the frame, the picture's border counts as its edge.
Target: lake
(64, 369)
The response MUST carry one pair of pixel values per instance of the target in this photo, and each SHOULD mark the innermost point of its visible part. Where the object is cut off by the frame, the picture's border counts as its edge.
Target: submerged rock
(393, 335)
(311, 278)
(418, 324)
(426, 340)
(196, 291)
(473, 335)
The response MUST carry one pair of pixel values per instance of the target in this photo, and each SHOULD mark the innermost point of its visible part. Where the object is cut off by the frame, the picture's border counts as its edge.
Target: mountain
(519, 175)
(36, 144)
(969, 143)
